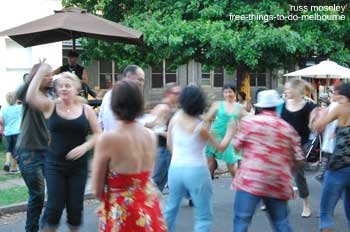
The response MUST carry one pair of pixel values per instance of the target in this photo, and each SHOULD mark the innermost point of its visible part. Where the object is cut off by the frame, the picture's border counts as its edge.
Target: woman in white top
(188, 172)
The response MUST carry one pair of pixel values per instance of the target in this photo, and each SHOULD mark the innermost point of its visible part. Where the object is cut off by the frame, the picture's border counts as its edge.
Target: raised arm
(34, 96)
(321, 120)
(56, 71)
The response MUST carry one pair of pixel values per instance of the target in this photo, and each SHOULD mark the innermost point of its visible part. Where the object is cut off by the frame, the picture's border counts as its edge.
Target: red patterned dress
(131, 204)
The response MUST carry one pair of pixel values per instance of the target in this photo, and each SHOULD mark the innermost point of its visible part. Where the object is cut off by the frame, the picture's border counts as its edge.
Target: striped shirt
(270, 146)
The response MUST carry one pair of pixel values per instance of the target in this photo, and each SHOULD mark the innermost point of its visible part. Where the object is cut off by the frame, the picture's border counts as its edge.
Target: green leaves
(202, 30)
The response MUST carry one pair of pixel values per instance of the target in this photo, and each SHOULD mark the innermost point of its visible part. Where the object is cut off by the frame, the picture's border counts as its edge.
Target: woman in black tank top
(296, 111)
(69, 121)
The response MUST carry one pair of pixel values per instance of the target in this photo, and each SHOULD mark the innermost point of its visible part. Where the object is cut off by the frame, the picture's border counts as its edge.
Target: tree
(202, 30)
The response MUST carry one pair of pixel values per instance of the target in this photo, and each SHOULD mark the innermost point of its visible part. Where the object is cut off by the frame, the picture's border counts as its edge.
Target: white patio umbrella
(326, 69)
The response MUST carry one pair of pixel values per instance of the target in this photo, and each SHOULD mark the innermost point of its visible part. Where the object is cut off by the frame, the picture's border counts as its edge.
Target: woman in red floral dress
(123, 162)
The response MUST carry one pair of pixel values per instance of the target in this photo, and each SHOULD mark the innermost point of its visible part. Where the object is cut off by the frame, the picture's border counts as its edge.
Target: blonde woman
(10, 121)
(296, 111)
(69, 121)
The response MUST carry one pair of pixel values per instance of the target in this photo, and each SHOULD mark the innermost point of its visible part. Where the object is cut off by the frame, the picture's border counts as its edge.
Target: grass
(4, 177)
(13, 195)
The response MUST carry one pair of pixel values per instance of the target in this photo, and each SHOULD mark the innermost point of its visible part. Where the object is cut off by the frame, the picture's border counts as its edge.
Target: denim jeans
(65, 188)
(31, 164)
(244, 208)
(197, 182)
(160, 173)
(335, 184)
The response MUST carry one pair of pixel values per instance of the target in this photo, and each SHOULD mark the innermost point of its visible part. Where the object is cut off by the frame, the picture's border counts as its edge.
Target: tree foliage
(202, 30)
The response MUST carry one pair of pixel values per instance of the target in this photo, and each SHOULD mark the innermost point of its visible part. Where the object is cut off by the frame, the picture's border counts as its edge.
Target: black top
(66, 134)
(299, 120)
(34, 132)
(162, 141)
(76, 69)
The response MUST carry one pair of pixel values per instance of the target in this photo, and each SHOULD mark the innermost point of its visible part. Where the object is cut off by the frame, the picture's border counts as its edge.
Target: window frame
(211, 77)
(113, 74)
(164, 73)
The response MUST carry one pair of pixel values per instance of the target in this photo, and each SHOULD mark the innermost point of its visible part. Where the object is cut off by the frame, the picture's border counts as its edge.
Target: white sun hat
(268, 99)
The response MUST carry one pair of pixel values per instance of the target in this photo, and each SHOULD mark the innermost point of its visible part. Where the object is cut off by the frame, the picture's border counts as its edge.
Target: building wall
(14, 59)
(187, 74)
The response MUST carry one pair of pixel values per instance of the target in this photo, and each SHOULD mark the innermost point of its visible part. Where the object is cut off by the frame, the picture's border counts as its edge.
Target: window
(106, 74)
(257, 79)
(212, 78)
(218, 77)
(163, 73)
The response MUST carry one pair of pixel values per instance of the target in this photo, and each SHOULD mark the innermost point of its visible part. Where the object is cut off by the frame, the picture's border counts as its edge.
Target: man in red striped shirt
(271, 148)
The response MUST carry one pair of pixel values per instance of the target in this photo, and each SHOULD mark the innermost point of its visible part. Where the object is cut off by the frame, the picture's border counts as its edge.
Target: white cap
(268, 99)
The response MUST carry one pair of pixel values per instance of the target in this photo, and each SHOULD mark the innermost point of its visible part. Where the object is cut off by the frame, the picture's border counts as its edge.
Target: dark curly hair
(127, 100)
(193, 100)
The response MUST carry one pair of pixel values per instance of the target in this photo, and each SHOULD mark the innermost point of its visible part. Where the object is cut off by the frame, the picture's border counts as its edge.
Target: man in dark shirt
(32, 145)
(78, 70)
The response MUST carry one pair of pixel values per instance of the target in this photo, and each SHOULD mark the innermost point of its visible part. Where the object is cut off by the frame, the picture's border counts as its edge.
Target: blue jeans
(65, 188)
(197, 182)
(244, 208)
(160, 173)
(31, 164)
(335, 184)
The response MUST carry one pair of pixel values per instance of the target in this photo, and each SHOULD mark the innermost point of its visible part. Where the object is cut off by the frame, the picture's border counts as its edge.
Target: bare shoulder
(88, 108)
(106, 138)
(150, 134)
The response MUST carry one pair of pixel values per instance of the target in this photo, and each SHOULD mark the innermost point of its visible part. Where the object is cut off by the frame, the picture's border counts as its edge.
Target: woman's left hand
(76, 153)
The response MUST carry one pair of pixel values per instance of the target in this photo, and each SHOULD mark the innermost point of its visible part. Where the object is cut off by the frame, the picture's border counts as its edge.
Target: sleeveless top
(222, 119)
(218, 128)
(188, 148)
(130, 203)
(66, 134)
(299, 120)
(341, 156)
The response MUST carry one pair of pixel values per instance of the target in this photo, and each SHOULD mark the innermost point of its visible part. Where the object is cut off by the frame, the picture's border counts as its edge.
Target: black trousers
(300, 181)
(65, 188)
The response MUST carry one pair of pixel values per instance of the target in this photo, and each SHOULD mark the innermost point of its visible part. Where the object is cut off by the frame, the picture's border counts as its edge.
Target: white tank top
(188, 148)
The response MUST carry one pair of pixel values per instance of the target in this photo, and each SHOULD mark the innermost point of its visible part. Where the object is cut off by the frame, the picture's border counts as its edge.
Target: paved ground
(222, 214)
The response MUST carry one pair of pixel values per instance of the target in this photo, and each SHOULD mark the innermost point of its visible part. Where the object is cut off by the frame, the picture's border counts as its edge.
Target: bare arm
(94, 126)
(56, 71)
(169, 136)
(80, 150)
(85, 77)
(210, 115)
(100, 166)
(34, 96)
(1, 124)
(161, 113)
(326, 118)
(231, 129)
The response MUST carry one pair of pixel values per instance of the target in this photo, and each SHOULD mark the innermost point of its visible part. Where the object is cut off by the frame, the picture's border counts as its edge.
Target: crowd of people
(175, 146)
